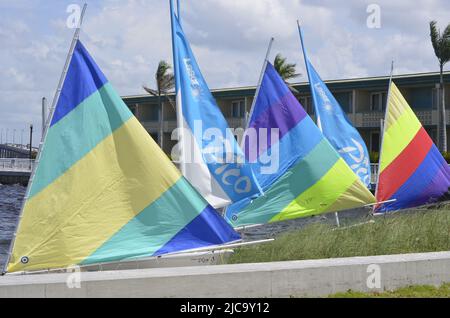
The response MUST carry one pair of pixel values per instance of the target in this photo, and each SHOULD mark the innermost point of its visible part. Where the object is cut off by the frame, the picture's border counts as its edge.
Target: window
(149, 112)
(421, 98)
(306, 102)
(378, 101)
(375, 141)
(238, 109)
(432, 133)
(345, 100)
(435, 98)
(155, 137)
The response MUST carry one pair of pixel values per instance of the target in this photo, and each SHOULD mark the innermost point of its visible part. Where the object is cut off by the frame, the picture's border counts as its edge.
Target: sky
(128, 38)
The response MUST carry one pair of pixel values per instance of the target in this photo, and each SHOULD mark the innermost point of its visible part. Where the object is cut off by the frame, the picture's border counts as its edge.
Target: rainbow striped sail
(312, 177)
(103, 190)
(412, 170)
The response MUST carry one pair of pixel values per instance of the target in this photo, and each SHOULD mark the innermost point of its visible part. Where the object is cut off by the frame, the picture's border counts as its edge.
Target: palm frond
(286, 70)
(150, 91)
(163, 68)
(279, 61)
(446, 45)
(165, 81)
(435, 38)
(441, 42)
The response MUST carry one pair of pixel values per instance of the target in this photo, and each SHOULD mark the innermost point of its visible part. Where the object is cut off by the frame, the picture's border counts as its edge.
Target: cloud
(228, 37)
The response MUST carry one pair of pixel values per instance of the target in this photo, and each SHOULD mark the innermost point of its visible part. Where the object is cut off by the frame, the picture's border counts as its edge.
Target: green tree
(286, 70)
(165, 82)
(441, 45)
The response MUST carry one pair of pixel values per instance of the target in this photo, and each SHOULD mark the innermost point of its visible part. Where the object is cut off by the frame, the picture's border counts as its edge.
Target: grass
(400, 233)
(407, 292)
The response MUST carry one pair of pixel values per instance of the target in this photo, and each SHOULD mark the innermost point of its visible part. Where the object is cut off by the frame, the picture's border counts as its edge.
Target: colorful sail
(210, 156)
(412, 170)
(312, 179)
(335, 125)
(103, 190)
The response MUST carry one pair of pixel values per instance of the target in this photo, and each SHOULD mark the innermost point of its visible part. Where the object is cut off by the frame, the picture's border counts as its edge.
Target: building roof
(368, 83)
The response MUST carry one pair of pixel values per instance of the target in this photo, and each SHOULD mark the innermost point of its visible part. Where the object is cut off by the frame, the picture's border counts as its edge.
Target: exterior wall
(447, 96)
(416, 89)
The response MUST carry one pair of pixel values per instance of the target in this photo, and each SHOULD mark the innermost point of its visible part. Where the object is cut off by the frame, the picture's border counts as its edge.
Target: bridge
(16, 151)
(15, 170)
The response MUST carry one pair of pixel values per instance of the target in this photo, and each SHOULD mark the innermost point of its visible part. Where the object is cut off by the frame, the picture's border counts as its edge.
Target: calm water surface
(10, 204)
(11, 200)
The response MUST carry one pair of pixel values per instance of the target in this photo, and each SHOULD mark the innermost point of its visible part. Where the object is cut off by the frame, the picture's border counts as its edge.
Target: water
(11, 199)
(10, 204)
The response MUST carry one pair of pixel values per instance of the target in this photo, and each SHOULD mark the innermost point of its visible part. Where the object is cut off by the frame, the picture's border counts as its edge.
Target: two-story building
(364, 100)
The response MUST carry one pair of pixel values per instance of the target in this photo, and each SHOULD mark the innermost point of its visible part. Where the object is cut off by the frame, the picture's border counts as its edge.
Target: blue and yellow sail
(103, 190)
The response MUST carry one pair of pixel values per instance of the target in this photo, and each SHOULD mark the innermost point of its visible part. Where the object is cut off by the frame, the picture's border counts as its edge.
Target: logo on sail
(323, 95)
(195, 84)
(357, 155)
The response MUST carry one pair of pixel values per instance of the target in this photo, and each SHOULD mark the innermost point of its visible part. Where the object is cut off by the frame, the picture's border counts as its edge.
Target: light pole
(14, 136)
(44, 114)
(21, 139)
(7, 131)
(1, 138)
(31, 143)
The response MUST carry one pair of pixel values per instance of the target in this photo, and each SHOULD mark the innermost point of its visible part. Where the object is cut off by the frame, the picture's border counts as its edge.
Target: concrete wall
(282, 279)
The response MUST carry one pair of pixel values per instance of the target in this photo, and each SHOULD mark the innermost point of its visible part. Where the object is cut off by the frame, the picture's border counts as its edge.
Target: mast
(178, 101)
(384, 127)
(258, 88)
(313, 98)
(75, 38)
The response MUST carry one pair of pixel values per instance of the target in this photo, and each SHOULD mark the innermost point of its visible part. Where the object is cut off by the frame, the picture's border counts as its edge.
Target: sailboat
(211, 158)
(312, 178)
(412, 170)
(103, 192)
(335, 125)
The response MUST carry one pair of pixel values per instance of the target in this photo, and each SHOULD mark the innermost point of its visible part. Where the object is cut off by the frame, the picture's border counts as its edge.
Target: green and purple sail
(312, 178)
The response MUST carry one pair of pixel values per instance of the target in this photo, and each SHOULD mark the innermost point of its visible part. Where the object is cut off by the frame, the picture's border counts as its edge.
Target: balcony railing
(366, 119)
(373, 119)
(370, 119)
(373, 173)
(16, 165)
(425, 117)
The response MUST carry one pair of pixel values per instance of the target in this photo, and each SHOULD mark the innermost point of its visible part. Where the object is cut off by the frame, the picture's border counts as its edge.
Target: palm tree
(441, 45)
(286, 70)
(165, 82)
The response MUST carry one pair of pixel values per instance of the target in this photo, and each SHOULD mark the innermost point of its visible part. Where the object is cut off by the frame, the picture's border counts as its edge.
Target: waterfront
(11, 199)
(10, 204)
